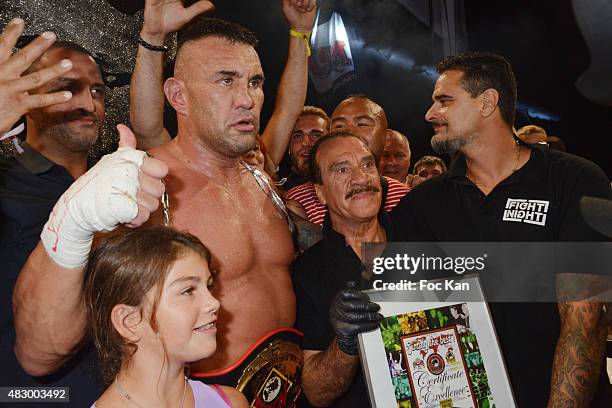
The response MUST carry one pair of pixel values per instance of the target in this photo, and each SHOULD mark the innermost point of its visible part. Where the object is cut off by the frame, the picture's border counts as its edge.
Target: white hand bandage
(99, 200)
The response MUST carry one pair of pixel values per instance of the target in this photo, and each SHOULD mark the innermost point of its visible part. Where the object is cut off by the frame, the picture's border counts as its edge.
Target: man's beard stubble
(62, 134)
(56, 127)
(232, 149)
(218, 139)
(446, 145)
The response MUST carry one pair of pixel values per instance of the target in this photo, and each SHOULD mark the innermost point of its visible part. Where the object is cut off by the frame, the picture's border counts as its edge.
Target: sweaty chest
(237, 222)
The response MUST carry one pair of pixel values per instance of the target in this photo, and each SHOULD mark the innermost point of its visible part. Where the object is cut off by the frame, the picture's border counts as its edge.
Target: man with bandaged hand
(58, 86)
(122, 188)
(217, 91)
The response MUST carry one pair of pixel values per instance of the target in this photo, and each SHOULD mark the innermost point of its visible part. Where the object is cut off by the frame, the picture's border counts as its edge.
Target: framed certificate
(431, 353)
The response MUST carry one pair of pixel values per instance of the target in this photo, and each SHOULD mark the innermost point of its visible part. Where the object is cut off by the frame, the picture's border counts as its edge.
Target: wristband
(348, 345)
(303, 36)
(157, 48)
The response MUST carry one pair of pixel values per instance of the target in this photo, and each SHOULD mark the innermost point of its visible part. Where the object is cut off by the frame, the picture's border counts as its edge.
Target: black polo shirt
(450, 208)
(318, 274)
(30, 185)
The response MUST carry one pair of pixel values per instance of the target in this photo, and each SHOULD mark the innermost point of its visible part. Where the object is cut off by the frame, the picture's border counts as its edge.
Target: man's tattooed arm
(580, 348)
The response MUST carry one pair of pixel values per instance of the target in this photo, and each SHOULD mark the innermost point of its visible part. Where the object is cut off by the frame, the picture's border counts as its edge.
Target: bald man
(395, 159)
(366, 119)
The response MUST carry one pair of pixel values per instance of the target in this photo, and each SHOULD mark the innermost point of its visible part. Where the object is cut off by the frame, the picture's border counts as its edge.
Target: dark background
(548, 53)
(394, 53)
(540, 38)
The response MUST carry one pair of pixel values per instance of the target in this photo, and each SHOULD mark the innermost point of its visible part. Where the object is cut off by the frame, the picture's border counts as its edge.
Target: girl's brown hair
(121, 271)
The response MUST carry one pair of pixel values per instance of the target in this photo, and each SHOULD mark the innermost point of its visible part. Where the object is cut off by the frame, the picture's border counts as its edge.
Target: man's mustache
(362, 189)
(80, 114)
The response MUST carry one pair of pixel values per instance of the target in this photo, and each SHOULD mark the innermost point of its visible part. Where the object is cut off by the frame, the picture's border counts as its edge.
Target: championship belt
(269, 374)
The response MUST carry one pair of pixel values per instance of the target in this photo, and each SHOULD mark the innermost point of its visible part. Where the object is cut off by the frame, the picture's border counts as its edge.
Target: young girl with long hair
(150, 313)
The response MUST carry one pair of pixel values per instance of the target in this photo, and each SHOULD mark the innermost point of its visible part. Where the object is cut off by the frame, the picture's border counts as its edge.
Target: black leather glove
(351, 313)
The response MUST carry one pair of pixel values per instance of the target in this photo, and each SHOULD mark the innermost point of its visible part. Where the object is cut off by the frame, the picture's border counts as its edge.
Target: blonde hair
(313, 110)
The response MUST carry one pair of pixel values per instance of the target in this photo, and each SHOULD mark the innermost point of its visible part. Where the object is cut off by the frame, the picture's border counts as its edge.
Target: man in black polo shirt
(54, 155)
(331, 311)
(552, 355)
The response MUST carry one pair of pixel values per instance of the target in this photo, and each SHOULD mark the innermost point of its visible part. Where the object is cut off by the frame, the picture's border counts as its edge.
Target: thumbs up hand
(122, 188)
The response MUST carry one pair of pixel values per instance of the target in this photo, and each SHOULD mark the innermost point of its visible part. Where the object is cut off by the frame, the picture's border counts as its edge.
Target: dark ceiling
(540, 38)
(549, 53)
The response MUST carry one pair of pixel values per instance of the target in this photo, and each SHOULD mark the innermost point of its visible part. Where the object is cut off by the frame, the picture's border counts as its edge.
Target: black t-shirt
(318, 274)
(450, 208)
(30, 185)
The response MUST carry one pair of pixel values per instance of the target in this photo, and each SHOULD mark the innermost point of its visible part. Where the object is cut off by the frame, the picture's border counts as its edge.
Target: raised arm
(122, 188)
(328, 374)
(15, 100)
(161, 17)
(293, 84)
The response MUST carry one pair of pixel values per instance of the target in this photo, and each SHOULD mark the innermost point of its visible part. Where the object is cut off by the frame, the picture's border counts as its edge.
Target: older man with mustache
(366, 119)
(330, 309)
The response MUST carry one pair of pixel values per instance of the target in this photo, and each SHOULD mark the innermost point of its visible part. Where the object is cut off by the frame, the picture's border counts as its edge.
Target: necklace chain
(470, 177)
(133, 401)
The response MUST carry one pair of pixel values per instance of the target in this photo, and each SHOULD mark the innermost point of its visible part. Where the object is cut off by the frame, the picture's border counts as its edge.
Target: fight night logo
(527, 211)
